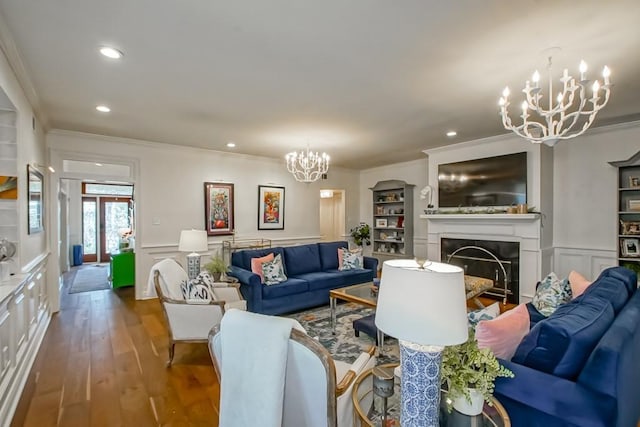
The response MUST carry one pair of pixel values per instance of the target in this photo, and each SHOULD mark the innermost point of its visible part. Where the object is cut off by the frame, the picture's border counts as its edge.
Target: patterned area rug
(344, 345)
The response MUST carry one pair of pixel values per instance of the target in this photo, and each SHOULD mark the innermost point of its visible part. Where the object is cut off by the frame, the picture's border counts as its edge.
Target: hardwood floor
(103, 363)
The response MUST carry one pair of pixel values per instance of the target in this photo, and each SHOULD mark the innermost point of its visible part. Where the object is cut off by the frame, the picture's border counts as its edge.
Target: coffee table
(363, 293)
(368, 407)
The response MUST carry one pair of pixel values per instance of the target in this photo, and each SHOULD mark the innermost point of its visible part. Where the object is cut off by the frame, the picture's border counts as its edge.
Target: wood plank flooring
(103, 363)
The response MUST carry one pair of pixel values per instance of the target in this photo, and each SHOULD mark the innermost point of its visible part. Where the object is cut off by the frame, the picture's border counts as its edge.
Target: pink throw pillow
(578, 284)
(503, 334)
(256, 265)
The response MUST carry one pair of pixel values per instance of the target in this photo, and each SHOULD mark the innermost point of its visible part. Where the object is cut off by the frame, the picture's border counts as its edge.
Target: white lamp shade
(193, 241)
(423, 306)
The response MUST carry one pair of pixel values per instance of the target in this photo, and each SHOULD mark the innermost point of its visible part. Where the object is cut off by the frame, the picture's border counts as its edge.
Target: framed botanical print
(218, 208)
(270, 208)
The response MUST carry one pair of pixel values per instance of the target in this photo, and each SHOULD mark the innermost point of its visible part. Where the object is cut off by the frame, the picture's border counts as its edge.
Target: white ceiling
(370, 82)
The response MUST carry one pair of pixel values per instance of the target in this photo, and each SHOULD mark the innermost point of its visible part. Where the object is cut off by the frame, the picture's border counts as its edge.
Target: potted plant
(361, 234)
(216, 267)
(468, 374)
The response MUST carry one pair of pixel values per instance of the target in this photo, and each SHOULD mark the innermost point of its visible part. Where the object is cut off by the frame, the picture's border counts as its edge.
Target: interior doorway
(332, 215)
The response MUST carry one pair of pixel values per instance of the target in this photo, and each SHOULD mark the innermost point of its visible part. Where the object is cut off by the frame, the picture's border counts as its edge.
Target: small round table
(368, 407)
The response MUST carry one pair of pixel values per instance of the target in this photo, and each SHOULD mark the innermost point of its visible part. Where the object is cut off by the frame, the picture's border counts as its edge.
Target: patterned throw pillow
(273, 271)
(199, 289)
(550, 294)
(351, 259)
(487, 313)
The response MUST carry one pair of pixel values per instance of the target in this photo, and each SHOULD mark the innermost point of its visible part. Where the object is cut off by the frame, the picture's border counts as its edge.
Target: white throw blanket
(253, 363)
(171, 277)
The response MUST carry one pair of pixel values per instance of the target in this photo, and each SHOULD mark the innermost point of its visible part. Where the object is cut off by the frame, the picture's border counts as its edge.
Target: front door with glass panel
(105, 218)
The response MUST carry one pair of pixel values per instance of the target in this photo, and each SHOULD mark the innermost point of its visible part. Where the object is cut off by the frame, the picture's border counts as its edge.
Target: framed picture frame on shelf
(379, 210)
(381, 222)
(630, 228)
(218, 208)
(270, 207)
(630, 247)
(634, 181)
(634, 205)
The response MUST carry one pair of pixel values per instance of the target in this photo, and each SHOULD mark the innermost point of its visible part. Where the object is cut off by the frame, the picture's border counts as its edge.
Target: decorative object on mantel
(486, 211)
(307, 166)
(569, 116)
(427, 194)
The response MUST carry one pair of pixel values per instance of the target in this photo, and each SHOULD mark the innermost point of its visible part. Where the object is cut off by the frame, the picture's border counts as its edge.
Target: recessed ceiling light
(98, 164)
(111, 52)
(103, 108)
(231, 144)
(452, 133)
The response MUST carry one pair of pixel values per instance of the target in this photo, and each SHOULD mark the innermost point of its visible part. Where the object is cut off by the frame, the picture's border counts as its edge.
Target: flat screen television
(492, 181)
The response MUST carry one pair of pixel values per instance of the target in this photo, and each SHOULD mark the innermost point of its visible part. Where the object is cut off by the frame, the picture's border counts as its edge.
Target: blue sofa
(581, 365)
(311, 270)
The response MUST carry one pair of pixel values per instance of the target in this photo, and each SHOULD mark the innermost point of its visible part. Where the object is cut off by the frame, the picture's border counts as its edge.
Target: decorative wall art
(218, 208)
(270, 208)
(9, 187)
(35, 198)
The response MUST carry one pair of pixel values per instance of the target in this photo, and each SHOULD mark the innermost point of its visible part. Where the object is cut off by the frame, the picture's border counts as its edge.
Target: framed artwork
(381, 222)
(35, 182)
(8, 187)
(218, 208)
(629, 227)
(270, 208)
(630, 247)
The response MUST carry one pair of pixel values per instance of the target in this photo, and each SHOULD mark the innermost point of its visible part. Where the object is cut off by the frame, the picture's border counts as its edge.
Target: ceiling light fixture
(452, 133)
(103, 109)
(111, 52)
(566, 117)
(231, 144)
(307, 166)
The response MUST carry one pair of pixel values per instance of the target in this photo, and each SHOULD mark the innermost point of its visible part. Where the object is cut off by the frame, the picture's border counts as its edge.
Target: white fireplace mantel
(524, 229)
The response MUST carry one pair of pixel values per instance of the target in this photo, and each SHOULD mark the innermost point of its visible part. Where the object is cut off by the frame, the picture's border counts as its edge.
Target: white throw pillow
(350, 259)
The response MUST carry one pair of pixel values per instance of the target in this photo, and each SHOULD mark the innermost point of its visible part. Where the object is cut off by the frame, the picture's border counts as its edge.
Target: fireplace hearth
(487, 258)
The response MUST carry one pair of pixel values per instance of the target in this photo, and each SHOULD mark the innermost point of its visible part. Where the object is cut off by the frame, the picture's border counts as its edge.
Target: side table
(368, 407)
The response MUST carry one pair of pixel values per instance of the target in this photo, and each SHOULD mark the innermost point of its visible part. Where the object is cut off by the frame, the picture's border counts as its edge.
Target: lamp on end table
(193, 241)
(424, 307)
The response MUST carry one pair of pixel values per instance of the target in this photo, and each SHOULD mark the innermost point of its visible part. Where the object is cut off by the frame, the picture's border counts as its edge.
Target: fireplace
(487, 258)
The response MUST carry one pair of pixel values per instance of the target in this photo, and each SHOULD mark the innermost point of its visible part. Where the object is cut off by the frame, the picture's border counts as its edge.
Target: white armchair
(189, 322)
(317, 389)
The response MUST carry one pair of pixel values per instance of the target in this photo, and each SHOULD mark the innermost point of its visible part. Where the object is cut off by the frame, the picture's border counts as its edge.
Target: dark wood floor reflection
(102, 363)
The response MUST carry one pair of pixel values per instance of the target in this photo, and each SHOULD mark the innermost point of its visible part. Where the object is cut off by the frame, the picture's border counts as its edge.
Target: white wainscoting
(588, 262)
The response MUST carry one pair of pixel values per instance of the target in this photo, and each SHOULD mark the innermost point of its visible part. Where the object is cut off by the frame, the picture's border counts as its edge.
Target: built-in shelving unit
(629, 212)
(8, 162)
(392, 219)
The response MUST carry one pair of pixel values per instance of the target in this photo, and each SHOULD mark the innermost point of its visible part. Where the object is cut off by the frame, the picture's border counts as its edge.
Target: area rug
(344, 345)
(90, 278)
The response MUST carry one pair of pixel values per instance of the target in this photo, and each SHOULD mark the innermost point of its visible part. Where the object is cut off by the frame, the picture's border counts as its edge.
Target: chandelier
(307, 166)
(569, 116)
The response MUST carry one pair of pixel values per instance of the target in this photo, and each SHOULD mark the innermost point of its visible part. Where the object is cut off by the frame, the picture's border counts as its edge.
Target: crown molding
(12, 54)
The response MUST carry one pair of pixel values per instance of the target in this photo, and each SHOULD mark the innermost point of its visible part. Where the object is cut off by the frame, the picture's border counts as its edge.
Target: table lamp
(424, 307)
(193, 241)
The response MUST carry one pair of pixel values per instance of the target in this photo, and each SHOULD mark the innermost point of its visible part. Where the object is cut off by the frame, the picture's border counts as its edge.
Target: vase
(216, 276)
(461, 404)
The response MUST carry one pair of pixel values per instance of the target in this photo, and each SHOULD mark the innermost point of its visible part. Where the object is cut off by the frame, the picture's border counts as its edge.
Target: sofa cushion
(550, 294)
(628, 277)
(503, 334)
(273, 271)
(256, 265)
(578, 284)
(350, 259)
(561, 344)
(288, 287)
(329, 254)
(242, 258)
(609, 289)
(302, 259)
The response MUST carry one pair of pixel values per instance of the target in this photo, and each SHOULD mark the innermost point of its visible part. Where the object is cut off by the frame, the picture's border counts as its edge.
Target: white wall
(169, 192)
(585, 201)
(412, 172)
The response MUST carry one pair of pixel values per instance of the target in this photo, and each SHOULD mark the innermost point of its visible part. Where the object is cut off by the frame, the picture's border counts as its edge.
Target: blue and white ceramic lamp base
(420, 384)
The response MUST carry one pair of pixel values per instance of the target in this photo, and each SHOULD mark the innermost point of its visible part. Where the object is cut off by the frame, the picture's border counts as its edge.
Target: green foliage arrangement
(361, 234)
(216, 266)
(466, 366)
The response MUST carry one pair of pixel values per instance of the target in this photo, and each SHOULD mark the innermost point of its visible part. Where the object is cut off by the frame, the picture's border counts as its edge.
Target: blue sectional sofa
(311, 270)
(581, 365)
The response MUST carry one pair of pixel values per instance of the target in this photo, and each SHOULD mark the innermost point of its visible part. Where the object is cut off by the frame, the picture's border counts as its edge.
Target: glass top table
(369, 407)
